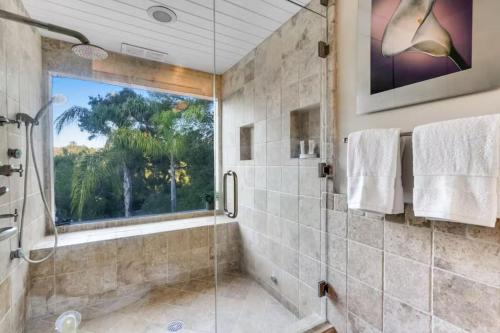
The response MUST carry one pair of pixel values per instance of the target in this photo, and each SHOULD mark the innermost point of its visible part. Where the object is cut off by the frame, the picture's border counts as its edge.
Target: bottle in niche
(311, 147)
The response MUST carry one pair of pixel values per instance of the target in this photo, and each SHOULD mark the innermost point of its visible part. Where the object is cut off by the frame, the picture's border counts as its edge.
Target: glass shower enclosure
(272, 108)
(256, 263)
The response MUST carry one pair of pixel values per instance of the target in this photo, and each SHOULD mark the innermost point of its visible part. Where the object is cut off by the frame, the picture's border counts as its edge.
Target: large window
(122, 152)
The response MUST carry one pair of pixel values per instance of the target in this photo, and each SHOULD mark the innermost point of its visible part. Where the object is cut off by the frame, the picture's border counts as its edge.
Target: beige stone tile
(274, 129)
(102, 253)
(340, 202)
(102, 279)
(129, 249)
(289, 207)
(273, 153)
(337, 252)
(309, 271)
(130, 272)
(273, 178)
(273, 203)
(199, 237)
(260, 200)
(41, 297)
(476, 260)
(310, 212)
(408, 281)
(274, 227)
(485, 233)
(290, 261)
(290, 179)
(5, 296)
(310, 242)
(179, 266)
(70, 259)
(450, 227)
(309, 183)
(358, 325)
(336, 223)
(180, 240)
(365, 302)
(337, 300)
(290, 234)
(365, 264)
(467, 304)
(408, 241)
(309, 303)
(441, 326)
(399, 317)
(365, 230)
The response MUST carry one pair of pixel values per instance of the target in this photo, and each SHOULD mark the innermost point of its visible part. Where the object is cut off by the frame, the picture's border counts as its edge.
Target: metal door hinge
(323, 288)
(324, 170)
(323, 49)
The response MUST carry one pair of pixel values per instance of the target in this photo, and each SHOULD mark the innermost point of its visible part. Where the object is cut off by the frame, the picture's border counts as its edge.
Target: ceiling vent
(162, 14)
(141, 52)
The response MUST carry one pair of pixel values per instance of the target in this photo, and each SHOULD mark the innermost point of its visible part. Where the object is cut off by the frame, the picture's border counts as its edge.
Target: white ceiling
(240, 26)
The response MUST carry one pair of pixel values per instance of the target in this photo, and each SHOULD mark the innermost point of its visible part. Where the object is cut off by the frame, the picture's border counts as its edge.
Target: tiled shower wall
(20, 91)
(399, 273)
(280, 197)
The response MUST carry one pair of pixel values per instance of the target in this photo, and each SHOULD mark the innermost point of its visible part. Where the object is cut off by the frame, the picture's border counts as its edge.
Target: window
(122, 152)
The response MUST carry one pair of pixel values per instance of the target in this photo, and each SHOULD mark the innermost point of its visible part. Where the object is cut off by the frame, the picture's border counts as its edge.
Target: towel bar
(346, 140)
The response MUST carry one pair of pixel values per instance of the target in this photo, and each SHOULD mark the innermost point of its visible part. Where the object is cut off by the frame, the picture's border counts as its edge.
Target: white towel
(456, 170)
(374, 171)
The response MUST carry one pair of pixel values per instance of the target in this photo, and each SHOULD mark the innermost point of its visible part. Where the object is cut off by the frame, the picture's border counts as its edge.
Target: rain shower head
(89, 51)
(84, 49)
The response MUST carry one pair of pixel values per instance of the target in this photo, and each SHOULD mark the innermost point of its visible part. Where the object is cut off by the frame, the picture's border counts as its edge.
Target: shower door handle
(234, 214)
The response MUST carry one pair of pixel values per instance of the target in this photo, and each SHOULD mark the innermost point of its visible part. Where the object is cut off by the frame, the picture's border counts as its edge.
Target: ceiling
(240, 26)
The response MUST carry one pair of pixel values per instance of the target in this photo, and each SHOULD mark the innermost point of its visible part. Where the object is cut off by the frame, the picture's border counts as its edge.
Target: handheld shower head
(59, 99)
(27, 119)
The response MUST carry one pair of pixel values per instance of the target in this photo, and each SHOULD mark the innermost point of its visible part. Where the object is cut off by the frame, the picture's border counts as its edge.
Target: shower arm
(42, 25)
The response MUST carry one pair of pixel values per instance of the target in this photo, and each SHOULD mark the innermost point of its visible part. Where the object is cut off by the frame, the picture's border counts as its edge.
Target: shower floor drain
(175, 326)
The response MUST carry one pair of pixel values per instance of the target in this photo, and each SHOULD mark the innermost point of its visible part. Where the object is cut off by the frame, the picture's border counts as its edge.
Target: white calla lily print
(414, 28)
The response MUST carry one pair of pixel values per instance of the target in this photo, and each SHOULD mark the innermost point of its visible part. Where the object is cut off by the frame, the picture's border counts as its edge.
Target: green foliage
(146, 136)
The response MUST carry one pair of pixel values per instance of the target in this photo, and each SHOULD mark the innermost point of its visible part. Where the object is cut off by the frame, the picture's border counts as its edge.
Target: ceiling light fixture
(162, 14)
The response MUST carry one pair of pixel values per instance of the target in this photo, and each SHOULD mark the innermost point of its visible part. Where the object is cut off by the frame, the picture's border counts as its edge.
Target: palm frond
(69, 116)
(89, 171)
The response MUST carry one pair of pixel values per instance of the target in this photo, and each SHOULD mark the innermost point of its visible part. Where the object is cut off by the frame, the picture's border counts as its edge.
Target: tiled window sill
(98, 235)
(121, 222)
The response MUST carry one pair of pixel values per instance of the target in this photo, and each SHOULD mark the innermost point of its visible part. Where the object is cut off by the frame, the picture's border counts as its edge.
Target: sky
(77, 92)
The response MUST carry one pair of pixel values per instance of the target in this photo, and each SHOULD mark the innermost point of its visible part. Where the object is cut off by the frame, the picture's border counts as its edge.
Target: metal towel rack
(346, 140)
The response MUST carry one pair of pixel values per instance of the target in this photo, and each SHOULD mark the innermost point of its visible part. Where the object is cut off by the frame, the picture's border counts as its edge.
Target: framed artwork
(416, 51)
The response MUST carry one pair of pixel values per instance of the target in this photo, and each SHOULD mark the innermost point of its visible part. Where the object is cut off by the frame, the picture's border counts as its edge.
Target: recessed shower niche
(246, 143)
(305, 132)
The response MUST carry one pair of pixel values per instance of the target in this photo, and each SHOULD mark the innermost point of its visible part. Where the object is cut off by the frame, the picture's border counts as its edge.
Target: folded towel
(456, 170)
(374, 171)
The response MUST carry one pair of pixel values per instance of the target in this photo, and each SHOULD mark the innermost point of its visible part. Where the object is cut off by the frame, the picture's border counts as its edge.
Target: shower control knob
(8, 170)
(14, 153)
(3, 190)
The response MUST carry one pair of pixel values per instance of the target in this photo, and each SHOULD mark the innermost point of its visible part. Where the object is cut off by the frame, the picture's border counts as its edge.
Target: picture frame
(398, 87)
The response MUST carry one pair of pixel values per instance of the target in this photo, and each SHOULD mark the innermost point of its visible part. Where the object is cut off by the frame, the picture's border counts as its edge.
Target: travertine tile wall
(399, 273)
(281, 220)
(96, 276)
(20, 91)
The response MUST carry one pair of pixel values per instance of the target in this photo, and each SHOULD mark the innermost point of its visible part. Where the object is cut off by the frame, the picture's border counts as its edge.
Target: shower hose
(30, 147)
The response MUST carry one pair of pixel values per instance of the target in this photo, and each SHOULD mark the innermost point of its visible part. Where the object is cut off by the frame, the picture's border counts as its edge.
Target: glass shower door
(271, 114)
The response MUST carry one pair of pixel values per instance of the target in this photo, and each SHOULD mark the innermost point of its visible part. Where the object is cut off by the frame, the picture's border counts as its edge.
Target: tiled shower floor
(244, 307)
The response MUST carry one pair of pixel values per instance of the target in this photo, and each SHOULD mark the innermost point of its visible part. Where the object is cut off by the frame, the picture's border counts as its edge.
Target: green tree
(143, 135)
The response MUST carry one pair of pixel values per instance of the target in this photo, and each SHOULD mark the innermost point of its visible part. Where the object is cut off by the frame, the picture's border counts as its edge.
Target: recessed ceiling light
(162, 14)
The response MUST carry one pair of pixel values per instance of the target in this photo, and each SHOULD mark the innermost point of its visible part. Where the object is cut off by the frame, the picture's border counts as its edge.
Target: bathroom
(253, 224)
